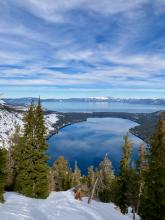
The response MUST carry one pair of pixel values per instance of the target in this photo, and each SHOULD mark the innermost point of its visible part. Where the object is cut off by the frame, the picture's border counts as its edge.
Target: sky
(82, 48)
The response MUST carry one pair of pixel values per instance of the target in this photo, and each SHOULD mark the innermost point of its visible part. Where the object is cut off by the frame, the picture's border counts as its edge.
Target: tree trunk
(93, 191)
(51, 182)
(138, 202)
(133, 211)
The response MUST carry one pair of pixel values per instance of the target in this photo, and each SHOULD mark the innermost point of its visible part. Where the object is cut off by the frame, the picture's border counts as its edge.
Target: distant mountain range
(26, 101)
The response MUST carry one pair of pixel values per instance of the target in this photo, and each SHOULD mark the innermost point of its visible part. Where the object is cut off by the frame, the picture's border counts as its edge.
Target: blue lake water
(88, 142)
(100, 106)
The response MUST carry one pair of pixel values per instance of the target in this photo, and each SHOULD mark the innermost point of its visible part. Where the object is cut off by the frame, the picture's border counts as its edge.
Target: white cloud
(55, 40)
(56, 11)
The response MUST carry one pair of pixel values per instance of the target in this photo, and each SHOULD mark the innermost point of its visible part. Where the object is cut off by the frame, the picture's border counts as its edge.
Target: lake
(100, 107)
(88, 142)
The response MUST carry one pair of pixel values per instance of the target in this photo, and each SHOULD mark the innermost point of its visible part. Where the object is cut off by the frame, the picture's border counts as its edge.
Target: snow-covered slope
(58, 206)
(2, 102)
(50, 120)
(9, 120)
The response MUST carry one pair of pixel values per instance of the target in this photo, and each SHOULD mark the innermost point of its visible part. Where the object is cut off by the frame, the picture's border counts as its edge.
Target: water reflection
(88, 142)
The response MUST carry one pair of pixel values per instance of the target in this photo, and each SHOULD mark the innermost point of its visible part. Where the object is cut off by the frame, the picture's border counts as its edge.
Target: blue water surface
(88, 142)
(100, 107)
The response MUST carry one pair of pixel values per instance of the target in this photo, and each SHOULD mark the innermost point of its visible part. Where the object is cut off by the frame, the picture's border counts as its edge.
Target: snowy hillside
(9, 120)
(58, 206)
(2, 102)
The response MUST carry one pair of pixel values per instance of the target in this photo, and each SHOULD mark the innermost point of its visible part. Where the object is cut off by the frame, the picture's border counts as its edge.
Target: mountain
(12, 116)
(26, 101)
(2, 102)
(58, 206)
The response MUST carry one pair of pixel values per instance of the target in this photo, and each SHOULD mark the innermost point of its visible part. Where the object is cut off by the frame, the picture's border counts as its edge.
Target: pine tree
(91, 177)
(30, 162)
(41, 168)
(3, 172)
(13, 140)
(153, 199)
(76, 176)
(115, 189)
(106, 177)
(17, 153)
(40, 127)
(142, 167)
(122, 199)
(62, 174)
(133, 189)
(23, 156)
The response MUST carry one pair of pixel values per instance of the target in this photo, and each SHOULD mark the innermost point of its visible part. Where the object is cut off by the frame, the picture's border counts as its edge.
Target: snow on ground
(9, 120)
(50, 120)
(2, 102)
(58, 206)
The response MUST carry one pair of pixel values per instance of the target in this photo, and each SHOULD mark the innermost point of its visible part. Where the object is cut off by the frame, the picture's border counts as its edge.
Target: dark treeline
(139, 184)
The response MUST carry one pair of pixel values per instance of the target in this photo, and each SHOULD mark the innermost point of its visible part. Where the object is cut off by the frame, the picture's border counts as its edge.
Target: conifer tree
(91, 177)
(3, 172)
(18, 157)
(106, 177)
(40, 127)
(42, 170)
(115, 189)
(13, 141)
(133, 189)
(153, 199)
(76, 175)
(62, 174)
(142, 167)
(30, 162)
(122, 199)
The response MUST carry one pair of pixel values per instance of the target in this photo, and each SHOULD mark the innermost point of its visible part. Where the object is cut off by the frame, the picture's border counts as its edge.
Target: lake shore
(140, 131)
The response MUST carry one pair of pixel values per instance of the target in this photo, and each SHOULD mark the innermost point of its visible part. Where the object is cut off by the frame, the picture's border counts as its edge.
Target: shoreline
(67, 119)
(144, 129)
(66, 125)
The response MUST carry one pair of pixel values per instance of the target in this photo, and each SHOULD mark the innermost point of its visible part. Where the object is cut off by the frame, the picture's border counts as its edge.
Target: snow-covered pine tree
(153, 199)
(3, 172)
(76, 175)
(61, 174)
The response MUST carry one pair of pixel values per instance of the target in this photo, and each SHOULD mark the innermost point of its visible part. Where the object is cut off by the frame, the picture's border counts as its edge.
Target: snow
(58, 206)
(2, 102)
(50, 120)
(9, 120)
(137, 217)
(99, 98)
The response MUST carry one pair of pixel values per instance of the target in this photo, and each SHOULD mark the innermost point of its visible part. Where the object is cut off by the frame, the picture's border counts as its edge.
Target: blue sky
(81, 48)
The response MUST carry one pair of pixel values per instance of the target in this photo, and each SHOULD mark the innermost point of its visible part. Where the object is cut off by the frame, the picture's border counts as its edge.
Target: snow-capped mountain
(26, 101)
(58, 206)
(10, 118)
(98, 98)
